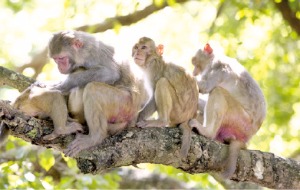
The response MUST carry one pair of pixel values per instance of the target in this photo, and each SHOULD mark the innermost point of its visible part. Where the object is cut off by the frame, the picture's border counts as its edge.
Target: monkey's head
(145, 50)
(64, 48)
(202, 59)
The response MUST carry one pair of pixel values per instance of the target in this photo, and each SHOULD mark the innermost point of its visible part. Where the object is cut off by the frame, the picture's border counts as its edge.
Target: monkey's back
(186, 90)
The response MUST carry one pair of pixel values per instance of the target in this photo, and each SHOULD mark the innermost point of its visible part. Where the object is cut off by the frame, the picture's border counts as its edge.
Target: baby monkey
(236, 106)
(42, 102)
(175, 94)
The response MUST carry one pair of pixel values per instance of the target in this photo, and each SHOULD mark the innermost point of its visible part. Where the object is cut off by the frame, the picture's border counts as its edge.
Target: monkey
(236, 106)
(103, 93)
(175, 92)
(42, 102)
(81, 52)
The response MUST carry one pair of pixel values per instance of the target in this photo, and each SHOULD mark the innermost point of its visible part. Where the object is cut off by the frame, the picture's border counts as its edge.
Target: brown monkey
(42, 102)
(103, 93)
(236, 106)
(175, 91)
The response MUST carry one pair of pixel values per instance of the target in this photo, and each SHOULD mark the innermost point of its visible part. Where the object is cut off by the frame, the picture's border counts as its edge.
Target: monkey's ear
(208, 49)
(77, 44)
(160, 49)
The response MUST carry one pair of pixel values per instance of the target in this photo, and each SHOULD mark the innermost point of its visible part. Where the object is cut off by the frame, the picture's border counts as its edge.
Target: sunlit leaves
(46, 159)
(16, 5)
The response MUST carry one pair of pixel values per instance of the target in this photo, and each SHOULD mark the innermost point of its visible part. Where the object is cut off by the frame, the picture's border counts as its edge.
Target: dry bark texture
(158, 146)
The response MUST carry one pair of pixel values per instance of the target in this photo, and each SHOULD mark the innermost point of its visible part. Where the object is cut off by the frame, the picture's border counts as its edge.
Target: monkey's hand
(80, 143)
(202, 85)
(39, 84)
(193, 123)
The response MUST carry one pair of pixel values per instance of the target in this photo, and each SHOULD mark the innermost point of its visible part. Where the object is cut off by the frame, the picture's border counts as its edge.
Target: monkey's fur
(43, 102)
(104, 94)
(236, 106)
(175, 95)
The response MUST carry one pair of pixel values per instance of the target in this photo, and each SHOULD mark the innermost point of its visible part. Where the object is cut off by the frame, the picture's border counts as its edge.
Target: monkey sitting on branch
(175, 92)
(42, 102)
(236, 106)
(103, 93)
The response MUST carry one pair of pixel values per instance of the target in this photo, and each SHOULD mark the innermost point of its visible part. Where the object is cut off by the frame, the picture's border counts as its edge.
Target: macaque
(175, 92)
(236, 106)
(43, 102)
(104, 94)
(81, 52)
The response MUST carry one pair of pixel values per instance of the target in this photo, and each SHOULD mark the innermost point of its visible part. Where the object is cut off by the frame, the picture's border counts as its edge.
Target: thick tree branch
(288, 14)
(126, 20)
(158, 146)
(13, 79)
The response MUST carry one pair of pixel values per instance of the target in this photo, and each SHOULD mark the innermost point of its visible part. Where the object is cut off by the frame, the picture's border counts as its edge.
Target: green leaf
(47, 159)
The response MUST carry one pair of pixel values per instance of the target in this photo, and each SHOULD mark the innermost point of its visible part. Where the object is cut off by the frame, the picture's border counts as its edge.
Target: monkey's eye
(144, 47)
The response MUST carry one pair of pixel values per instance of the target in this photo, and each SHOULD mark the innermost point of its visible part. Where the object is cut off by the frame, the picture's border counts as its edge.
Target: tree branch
(158, 146)
(126, 20)
(13, 79)
(288, 14)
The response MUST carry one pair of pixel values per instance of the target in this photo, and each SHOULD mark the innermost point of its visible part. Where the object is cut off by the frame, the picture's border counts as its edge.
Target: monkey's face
(200, 61)
(139, 53)
(63, 62)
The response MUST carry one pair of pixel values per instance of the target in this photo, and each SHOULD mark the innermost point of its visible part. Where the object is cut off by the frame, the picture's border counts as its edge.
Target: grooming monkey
(104, 94)
(175, 91)
(108, 105)
(236, 106)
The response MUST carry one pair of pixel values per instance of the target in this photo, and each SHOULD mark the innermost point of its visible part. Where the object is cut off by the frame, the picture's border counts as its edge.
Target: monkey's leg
(75, 105)
(163, 99)
(59, 115)
(230, 162)
(185, 139)
(215, 110)
(116, 128)
(102, 103)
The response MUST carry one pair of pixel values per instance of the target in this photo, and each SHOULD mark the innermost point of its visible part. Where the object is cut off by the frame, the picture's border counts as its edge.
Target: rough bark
(13, 79)
(158, 146)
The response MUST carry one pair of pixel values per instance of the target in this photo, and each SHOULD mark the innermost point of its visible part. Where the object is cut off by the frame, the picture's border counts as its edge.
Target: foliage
(252, 31)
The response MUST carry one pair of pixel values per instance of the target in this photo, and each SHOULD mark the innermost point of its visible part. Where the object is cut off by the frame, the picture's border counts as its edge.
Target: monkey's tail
(4, 132)
(230, 163)
(186, 139)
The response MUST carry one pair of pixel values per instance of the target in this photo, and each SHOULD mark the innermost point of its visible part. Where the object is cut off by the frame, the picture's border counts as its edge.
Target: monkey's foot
(72, 127)
(151, 123)
(193, 123)
(80, 143)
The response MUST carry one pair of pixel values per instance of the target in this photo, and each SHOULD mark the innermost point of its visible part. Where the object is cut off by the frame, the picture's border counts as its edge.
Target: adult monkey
(236, 106)
(108, 105)
(106, 109)
(175, 92)
(81, 52)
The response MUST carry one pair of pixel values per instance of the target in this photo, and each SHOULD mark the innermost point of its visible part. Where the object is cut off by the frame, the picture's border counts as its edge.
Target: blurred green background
(253, 31)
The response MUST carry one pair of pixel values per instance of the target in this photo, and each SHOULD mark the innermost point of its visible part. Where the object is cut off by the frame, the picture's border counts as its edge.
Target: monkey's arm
(213, 77)
(80, 79)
